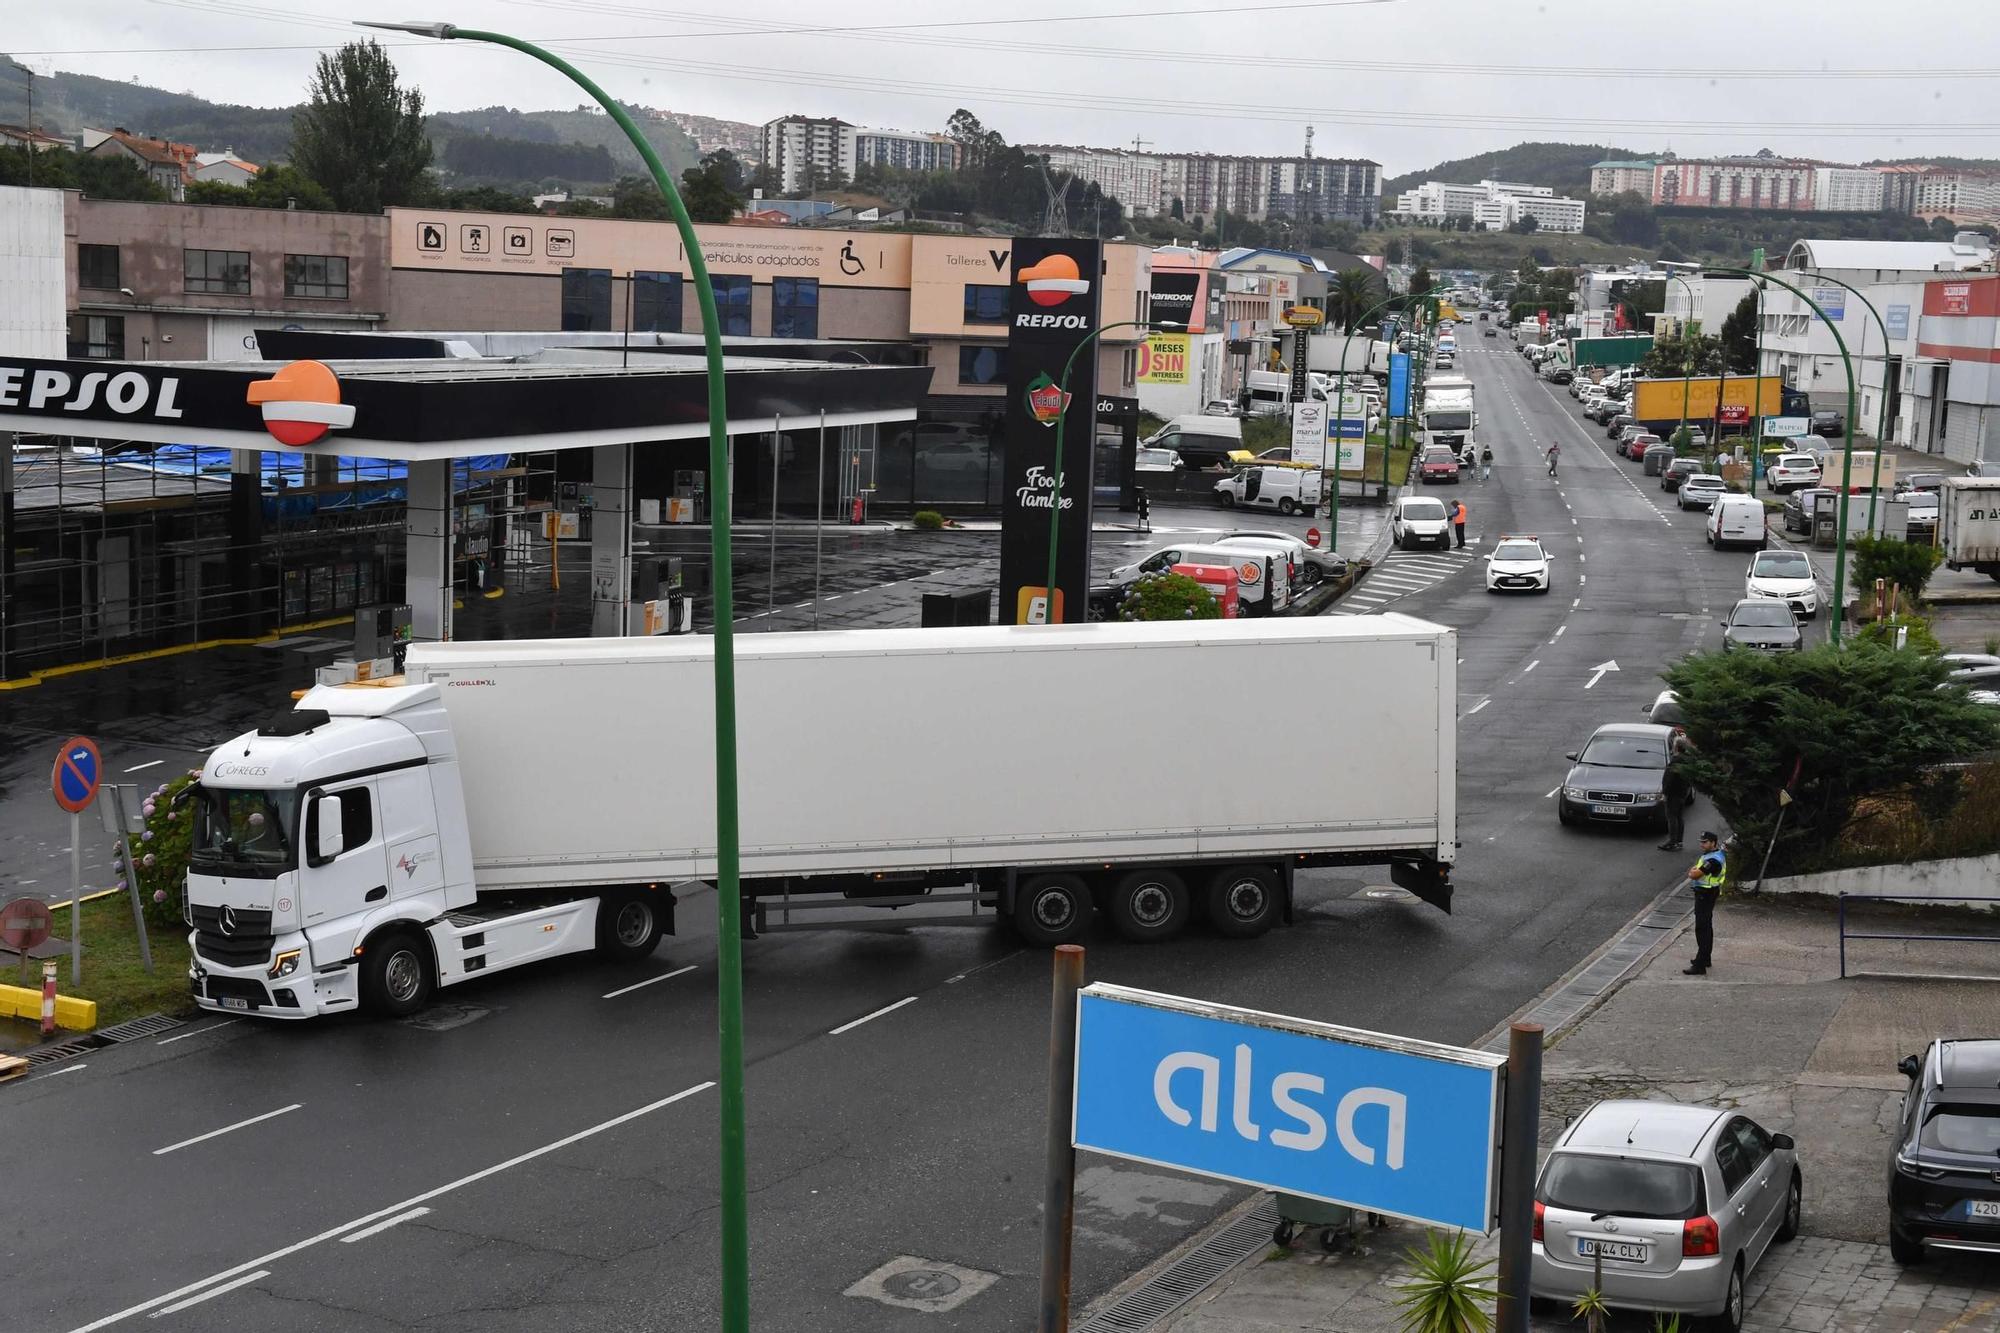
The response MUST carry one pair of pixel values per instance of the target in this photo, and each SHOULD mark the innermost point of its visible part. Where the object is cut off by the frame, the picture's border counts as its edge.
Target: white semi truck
(1449, 417)
(510, 801)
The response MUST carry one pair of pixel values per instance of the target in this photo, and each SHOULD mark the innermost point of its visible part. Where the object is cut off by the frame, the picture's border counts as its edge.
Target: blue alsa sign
(1380, 1123)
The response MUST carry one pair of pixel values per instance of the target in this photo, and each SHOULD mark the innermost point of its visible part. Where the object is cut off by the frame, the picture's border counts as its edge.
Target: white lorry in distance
(511, 801)
(1448, 417)
(1969, 524)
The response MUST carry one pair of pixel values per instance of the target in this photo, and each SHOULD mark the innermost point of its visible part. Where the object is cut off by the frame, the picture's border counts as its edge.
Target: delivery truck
(1448, 416)
(1969, 524)
(505, 802)
(1365, 355)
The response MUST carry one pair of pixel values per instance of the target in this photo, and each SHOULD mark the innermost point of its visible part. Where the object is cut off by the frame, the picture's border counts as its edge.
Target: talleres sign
(1053, 309)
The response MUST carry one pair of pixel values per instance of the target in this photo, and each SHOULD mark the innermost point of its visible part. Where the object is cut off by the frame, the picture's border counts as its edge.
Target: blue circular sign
(74, 780)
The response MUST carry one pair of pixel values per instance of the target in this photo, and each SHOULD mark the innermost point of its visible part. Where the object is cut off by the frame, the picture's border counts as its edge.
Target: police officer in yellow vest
(1706, 875)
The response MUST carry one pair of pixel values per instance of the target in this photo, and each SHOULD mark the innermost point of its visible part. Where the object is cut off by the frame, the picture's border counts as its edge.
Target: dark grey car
(1799, 507)
(1618, 777)
(1762, 624)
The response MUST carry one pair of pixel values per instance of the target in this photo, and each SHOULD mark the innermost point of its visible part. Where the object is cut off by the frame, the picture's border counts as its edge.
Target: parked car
(1665, 709)
(1662, 1207)
(1701, 490)
(1678, 471)
(1287, 489)
(1738, 520)
(1615, 424)
(1156, 461)
(1489, 331)
(1924, 506)
(1922, 481)
(1420, 521)
(1314, 563)
(1517, 562)
(1697, 438)
(1799, 506)
(1562, 375)
(1829, 423)
(1763, 625)
(1617, 777)
(1944, 1190)
(1257, 596)
(1980, 670)
(1605, 408)
(1438, 464)
(1784, 576)
(1637, 444)
(1793, 471)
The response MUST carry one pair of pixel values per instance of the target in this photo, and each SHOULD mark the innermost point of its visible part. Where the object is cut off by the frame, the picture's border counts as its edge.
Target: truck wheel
(1242, 901)
(1053, 909)
(396, 977)
(628, 927)
(1149, 905)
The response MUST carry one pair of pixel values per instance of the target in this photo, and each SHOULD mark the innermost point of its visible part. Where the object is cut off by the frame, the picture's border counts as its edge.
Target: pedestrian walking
(1706, 875)
(1555, 452)
(1485, 464)
(1458, 521)
(1675, 789)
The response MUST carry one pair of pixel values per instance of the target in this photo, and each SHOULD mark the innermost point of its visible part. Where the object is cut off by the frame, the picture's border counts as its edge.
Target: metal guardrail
(1846, 934)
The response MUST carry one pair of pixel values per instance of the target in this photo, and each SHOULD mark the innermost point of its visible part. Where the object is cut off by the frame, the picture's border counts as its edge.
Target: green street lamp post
(1687, 359)
(1882, 428)
(1340, 398)
(728, 897)
(1055, 494)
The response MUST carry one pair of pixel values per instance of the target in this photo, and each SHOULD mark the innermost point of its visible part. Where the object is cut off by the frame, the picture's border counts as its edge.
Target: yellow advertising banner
(1163, 359)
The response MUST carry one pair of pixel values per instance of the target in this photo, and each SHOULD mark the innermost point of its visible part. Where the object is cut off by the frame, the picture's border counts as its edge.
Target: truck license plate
(1629, 1251)
(1986, 1208)
(1607, 810)
(233, 1002)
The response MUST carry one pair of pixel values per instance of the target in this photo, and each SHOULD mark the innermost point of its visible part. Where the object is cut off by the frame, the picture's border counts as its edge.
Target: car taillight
(1700, 1238)
(1539, 1211)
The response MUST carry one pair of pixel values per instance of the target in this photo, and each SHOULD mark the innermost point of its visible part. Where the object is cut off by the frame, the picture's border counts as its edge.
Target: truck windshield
(1447, 421)
(245, 831)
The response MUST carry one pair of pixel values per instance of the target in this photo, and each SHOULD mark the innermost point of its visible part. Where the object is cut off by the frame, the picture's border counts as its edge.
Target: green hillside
(1563, 167)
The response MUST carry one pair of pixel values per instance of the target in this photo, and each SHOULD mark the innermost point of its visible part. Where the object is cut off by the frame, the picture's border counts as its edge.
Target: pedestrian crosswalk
(1400, 574)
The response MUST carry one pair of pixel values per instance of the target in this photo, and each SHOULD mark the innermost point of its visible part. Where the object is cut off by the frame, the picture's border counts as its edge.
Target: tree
(97, 177)
(1527, 224)
(713, 191)
(1421, 281)
(638, 197)
(1349, 295)
(361, 135)
(486, 199)
(273, 187)
(1739, 336)
(1633, 220)
(1175, 209)
(1392, 249)
(1907, 566)
(1852, 723)
(1685, 351)
(964, 129)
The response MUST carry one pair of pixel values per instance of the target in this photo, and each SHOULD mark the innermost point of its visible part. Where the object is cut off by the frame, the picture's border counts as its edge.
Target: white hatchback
(1785, 576)
(1517, 564)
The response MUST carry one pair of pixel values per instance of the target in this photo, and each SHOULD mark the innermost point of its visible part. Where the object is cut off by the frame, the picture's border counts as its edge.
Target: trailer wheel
(1053, 909)
(396, 975)
(1243, 901)
(1149, 905)
(628, 927)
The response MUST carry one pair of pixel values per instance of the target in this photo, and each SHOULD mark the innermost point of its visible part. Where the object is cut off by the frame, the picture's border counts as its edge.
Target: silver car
(1675, 1203)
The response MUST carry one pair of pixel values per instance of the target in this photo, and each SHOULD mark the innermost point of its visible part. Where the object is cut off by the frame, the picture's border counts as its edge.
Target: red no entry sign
(1312, 537)
(74, 780)
(24, 923)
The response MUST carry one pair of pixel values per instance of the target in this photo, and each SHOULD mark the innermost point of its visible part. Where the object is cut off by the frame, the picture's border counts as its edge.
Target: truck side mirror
(329, 839)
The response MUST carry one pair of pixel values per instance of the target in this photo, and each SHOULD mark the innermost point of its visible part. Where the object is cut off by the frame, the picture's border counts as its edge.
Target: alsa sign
(297, 406)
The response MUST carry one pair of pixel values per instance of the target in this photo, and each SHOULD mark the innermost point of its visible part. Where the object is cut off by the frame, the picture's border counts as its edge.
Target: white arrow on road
(1597, 673)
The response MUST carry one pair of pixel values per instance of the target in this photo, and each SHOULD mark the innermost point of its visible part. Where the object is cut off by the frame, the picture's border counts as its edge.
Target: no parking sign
(77, 769)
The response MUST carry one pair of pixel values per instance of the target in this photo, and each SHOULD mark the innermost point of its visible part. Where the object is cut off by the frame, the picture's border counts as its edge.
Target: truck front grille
(247, 941)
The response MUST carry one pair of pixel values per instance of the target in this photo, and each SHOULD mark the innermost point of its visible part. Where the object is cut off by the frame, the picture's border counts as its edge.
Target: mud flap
(1426, 877)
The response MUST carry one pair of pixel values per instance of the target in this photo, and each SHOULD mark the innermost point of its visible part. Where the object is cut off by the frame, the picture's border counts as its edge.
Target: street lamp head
(1170, 324)
(444, 32)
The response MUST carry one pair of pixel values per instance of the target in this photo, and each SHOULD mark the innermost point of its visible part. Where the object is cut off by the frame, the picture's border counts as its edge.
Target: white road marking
(641, 985)
(1476, 707)
(227, 1022)
(1583, 578)
(150, 763)
(1531, 666)
(1598, 673)
(383, 1225)
(1575, 603)
(226, 1129)
(1559, 632)
(885, 1009)
(212, 1293)
(67, 1069)
(1550, 792)
(381, 1213)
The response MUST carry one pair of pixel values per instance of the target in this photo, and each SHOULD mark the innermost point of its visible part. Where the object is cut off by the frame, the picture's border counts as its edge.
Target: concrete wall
(1965, 877)
(32, 273)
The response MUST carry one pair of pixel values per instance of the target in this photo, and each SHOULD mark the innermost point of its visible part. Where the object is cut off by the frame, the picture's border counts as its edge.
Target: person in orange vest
(1458, 521)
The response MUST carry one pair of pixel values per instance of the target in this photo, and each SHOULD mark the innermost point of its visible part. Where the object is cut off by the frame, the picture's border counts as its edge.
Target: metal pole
(76, 899)
(1520, 1128)
(1882, 430)
(1059, 1184)
(1687, 364)
(1049, 616)
(118, 809)
(771, 580)
(1757, 462)
(819, 517)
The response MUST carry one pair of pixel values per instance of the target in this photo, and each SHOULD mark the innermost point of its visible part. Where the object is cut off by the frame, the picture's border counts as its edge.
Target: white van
(1200, 440)
(1419, 520)
(1289, 490)
(1738, 520)
(1256, 594)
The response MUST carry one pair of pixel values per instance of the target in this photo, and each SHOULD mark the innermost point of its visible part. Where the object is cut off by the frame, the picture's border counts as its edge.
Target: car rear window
(1958, 1128)
(1621, 1186)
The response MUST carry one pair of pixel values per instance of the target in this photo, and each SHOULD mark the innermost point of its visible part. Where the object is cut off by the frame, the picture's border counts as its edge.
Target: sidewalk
(1771, 1030)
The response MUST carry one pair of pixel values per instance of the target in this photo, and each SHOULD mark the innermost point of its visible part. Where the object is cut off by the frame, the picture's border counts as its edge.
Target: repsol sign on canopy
(1053, 309)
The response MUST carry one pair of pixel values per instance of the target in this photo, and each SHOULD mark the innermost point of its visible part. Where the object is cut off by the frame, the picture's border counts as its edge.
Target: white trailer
(1969, 523)
(1448, 416)
(511, 801)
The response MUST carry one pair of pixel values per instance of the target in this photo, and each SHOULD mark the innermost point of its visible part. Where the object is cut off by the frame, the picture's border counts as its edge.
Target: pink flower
(147, 836)
(148, 860)
(159, 895)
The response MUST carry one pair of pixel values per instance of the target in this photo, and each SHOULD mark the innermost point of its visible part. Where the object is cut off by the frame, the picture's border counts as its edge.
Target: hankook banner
(1053, 307)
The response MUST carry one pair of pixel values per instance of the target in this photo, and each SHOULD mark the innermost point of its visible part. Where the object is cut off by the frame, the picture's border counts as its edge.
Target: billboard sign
(1833, 300)
(1787, 428)
(1956, 298)
(1163, 358)
(1309, 432)
(1896, 319)
(1399, 384)
(1053, 308)
(1382, 1123)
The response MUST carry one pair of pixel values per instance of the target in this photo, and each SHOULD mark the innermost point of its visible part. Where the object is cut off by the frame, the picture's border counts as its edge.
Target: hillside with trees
(1563, 167)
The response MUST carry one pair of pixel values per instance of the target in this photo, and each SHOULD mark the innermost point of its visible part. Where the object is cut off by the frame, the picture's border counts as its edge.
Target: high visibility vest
(1714, 868)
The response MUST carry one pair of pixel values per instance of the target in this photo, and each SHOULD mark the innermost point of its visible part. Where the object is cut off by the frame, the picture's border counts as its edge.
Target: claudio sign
(1381, 1123)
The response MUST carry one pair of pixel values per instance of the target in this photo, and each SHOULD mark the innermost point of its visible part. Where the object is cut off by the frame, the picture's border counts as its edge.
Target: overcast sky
(1405, 82)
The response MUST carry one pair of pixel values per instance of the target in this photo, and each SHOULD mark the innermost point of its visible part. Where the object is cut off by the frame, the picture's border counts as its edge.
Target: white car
(1794, 472)
(1420, 521)
(1517, 563)
(1156, 460)
(1701, 490)
(1785, 576)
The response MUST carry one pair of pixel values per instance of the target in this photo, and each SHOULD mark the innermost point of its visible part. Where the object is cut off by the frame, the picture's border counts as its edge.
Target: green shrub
(161, 851)
(1907, 565)
(927, 520)
(1917, 639)
(1168, 597)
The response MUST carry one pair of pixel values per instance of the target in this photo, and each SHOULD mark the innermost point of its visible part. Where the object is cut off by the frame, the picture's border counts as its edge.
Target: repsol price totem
(1054, 307)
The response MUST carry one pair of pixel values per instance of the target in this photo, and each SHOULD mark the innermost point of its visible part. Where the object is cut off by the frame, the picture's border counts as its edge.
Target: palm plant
(1448, 1290)
(1348, 296)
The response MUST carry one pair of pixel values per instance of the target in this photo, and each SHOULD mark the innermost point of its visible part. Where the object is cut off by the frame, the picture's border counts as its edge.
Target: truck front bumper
(302, 993)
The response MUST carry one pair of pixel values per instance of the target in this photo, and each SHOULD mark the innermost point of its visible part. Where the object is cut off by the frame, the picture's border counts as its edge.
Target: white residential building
(806, 151)
(1134, 179)
(1618, 177)
(907, 149)
(1494, 205)
(1847, 190)
(225, 167)
(1962, 196)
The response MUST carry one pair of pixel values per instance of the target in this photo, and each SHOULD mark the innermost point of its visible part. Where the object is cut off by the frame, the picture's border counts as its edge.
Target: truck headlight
(285, 964)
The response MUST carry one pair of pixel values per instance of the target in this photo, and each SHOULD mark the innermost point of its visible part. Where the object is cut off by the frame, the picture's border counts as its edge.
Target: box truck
(1969, 524)
(512, 801)
(1448, 416)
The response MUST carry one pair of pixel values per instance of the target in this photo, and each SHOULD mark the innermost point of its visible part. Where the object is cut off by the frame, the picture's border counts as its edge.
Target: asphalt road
(540, 1150)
